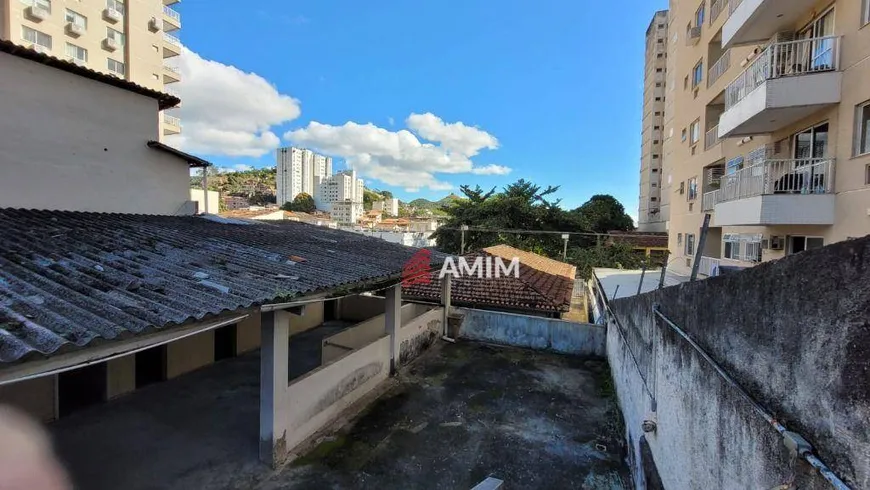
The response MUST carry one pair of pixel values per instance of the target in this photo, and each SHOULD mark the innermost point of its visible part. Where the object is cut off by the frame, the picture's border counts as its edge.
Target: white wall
(68, 142)
(214, 199)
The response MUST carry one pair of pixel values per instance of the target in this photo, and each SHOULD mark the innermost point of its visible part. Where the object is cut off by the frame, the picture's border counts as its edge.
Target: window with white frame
(742, 247)
(32, 36)
(116, 35)
(43, 4)
(76, 53)
(116, 67)
(695, 132)
(862, 128)
(116, 5)
(76, 18)
(693, 189)
(690, 244)
(865, 13)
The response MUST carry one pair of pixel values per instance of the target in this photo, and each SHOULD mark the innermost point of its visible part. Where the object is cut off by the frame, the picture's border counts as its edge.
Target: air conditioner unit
(36, 13)
(74, 29)
(112, 15)
(110, 44)
(154, 25)
(777, 242)
(75, 60)
(39, 48)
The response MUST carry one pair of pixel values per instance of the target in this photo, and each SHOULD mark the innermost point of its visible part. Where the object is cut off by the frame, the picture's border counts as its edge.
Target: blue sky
(559, 84)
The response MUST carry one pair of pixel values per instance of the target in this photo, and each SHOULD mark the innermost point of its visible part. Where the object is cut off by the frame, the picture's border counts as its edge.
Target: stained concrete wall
(314, 400)
(364, 333)
(417, 334)
(795, 333)
(359, 308)
(190, 353)
(35, 397)
(533, 332)
(311, 317)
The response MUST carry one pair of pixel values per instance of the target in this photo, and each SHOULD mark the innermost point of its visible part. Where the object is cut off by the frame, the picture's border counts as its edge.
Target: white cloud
(399, 158)
(226, 111)
(492, 169)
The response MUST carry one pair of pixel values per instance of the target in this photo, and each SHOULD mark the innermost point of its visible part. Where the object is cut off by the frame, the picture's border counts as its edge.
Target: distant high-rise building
(341, 195)
(387, 206)
(299, 170)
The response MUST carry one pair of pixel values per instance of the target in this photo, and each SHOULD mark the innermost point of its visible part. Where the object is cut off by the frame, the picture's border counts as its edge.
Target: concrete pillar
(393, 318)
(446, 284)
(274, 374)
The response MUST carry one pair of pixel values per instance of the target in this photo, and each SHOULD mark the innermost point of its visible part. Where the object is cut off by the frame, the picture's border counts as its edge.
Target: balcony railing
(171, 39)
(785, 59)
(693, 35)
(716, 9)
(172, 14)
(719, 68)
(711, 139)
(801, 176)
(709, 201)
(708, 265)
(171, 120)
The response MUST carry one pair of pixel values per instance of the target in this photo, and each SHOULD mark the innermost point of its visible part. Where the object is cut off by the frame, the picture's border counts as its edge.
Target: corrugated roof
(70, 278)
(534, 290)
(164, 100)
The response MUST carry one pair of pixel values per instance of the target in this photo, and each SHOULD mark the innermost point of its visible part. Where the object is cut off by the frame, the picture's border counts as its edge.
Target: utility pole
(642, 275)
(664, 270)
(702, 241)
(565, 237)
(462, 230)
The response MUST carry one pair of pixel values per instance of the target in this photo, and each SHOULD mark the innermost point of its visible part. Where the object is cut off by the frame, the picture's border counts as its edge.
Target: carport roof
(68, 279)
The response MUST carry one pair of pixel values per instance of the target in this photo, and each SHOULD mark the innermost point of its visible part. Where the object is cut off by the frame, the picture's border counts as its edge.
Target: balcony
(709, 201)
(755, 21)
(171, 19)
(716, 9)
(708, 266)
(171, 125)
(693, 35)
(171, 45)
(786, 83)
(777, 192)
(711, 139)
(171, 74)
(719, 68)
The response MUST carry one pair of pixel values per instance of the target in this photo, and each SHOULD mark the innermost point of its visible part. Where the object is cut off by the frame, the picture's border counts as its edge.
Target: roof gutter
(79, 359)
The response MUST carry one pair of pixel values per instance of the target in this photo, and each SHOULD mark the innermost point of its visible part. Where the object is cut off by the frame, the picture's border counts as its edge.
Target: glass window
(865, 13)
(690, 244)
(699, 15)
(76, 18)
(862, 128)
(732, 250)
(693, 189)
(698, 74)
(116, 67)
(77, 53)
(33, 36)
(116, 5)
(116, 35)
(695, 132)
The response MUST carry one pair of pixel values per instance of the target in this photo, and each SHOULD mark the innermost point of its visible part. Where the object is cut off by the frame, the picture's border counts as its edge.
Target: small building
(199, 197)
(231, 203)
(390, 207)
(649, 244)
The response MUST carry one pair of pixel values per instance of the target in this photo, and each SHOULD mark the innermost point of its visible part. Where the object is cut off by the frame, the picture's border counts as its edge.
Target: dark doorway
(150, 366)
(81, 388)
(225, 343)
(330, 310)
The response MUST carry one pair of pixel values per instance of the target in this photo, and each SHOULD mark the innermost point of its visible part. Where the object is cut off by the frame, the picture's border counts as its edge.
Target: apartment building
(650, 213)
(341, 195)
(131, 39)
(387, 206)
(767, 128)
(299, 170)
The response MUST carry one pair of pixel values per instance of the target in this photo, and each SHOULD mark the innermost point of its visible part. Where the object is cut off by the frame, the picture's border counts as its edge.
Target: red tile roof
(534, 290)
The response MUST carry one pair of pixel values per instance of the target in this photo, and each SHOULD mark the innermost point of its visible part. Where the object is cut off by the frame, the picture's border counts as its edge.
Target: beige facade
(765, 128)
(131, 39)
(650, 215)
(62, 150)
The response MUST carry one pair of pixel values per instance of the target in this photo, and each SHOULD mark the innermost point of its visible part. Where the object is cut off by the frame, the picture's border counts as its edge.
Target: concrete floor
(198, 431)
(458, 414)
(470, 411)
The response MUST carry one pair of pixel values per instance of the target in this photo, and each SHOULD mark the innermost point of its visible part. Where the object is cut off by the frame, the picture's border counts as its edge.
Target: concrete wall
(36, 397)
(359, 308)
(366, 332)
(121, 376)
(417, 334)
(248, 333)
(314, 400)
(214, 199)
(189, 354)
(71, 143)
(794, 333)
(533, 332)
(311, 317)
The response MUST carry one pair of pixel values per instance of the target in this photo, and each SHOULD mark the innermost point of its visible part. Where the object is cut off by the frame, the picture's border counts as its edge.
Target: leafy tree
(603, 213)
(386, 194)
(302, 203)
(369, 197)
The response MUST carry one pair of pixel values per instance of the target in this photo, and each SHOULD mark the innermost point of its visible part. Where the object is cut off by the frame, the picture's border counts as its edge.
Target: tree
(302, 203)
(603, 213)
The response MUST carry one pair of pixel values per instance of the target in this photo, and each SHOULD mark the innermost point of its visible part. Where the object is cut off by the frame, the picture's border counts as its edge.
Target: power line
(545, 232)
